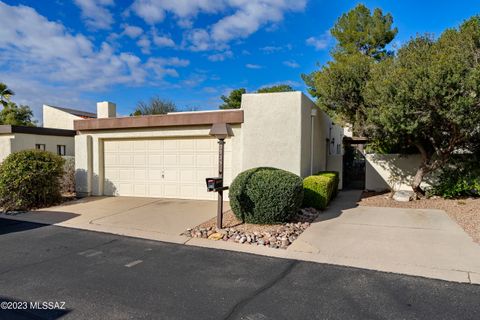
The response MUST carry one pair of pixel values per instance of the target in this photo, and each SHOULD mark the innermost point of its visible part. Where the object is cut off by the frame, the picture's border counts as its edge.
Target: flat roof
(164, 120)
(8, 129)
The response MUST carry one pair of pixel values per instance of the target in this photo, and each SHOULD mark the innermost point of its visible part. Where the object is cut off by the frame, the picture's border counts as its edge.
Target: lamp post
(220, 131)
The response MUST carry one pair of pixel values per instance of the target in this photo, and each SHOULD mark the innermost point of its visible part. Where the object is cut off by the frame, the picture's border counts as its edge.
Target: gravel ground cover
(278, 236)
(466, 212)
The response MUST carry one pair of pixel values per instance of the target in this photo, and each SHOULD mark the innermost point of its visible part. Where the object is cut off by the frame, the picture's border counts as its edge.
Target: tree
(5, 94)
(361, 31)
(428, 96)
(276, 88)
(234, 99)
(338, 86)
(17, 115)
(156, 105)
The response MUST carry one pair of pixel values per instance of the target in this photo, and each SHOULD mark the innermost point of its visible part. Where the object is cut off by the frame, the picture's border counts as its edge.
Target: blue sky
(74, 53)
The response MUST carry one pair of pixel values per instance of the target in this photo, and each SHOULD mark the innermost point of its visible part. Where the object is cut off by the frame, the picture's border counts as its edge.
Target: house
(17, 138)
(171, 155)
(62, 118)
(56, 135)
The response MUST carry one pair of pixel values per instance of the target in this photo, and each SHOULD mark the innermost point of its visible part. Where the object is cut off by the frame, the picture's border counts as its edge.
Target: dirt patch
(466, 212)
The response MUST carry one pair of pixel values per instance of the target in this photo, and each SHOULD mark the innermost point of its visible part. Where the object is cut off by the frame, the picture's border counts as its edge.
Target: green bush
(266, 195)
(320, 189)
(462, 181)
(30, 179)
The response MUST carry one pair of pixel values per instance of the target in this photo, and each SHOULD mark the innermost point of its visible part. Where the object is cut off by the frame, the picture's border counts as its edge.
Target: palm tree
(5, 94)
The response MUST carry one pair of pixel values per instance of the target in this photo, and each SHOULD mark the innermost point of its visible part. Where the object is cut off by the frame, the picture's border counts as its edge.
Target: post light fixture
(221, 131)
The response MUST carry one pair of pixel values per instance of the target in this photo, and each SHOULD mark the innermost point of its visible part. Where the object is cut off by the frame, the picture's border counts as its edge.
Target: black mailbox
(214, 183)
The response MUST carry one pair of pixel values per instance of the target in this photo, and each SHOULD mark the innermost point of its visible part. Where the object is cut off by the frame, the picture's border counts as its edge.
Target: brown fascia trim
(6, 129)
(167, 120)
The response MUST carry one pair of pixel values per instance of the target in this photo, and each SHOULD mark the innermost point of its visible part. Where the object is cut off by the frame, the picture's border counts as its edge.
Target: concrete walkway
(148, 218)
(408, 241)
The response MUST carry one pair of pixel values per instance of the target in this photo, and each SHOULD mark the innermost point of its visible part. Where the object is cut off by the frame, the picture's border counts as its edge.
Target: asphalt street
(49, 272)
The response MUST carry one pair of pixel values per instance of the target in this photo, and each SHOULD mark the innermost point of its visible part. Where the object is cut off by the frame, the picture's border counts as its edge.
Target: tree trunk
(417, 180)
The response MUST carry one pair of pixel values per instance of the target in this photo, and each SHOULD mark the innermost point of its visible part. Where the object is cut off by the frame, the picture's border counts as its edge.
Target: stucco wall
(89, 155)
(276, 132)
(272, 131)
(55, 118)
(5, 145)
(392, 171)
(24, 141)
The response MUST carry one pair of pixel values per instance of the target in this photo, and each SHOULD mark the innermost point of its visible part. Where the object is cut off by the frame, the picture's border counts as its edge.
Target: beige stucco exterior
(89, 154)
(55, 118)
(276, 132)
(392, 172)
(20, 141)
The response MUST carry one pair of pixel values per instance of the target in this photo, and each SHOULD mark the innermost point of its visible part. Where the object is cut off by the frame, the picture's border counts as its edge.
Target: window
(40, 147)
(61, 150)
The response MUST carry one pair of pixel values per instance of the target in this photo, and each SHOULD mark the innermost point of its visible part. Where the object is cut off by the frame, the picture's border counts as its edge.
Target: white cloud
(291, 63)
(45, 54)
(250, 15)
(95, 13)
(320, 43)
(270, 49)
(163, 41)
(132, 31)
(245, 18)
(221, 56)
(144, 44)
(153, 11)
(163, 66)
(253, 66)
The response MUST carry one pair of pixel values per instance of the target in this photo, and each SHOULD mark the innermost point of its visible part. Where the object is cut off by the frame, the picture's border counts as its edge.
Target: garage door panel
(155, 174)
(155, 189)
(126, 146)
(125, 159)
(170, 160)
(170, 167)
(187, 160)
(155, 144)
(187, 175)
(126, 174)
(171, 175)
(155, 160)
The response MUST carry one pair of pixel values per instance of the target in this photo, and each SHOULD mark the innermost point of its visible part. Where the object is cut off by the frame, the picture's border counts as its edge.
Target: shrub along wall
(266, 195)
(320, 189)
(30, 179)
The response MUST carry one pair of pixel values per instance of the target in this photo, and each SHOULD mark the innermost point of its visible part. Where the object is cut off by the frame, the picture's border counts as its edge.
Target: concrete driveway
(151, 218)
(424, 242)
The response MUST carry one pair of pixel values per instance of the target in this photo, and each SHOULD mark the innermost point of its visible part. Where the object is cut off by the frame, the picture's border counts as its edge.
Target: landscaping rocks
(403, 196)
(281, 237)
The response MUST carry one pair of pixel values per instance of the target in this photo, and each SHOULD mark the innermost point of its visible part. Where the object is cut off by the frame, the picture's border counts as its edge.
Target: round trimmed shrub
(30, 179)
(266, 195)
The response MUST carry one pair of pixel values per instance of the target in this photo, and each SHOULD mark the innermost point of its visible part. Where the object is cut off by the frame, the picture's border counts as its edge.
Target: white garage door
(171, 167)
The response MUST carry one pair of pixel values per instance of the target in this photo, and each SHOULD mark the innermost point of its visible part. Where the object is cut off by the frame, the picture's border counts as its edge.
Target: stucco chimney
(106, 109)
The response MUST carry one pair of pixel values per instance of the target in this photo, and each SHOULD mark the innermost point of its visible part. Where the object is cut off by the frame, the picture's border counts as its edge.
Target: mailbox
(213, 184)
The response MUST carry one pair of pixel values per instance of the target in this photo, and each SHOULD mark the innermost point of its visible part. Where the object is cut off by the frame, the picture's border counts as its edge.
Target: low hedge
(266, 195)
(320, 189)
(30, 179)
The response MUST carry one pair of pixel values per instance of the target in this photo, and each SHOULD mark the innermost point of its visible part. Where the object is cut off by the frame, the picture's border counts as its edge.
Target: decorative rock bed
(273, 236)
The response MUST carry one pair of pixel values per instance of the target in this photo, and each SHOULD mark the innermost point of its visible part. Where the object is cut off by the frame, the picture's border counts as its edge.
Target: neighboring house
(16, 138)
(62, 118)
(171, 155)
(56, 135)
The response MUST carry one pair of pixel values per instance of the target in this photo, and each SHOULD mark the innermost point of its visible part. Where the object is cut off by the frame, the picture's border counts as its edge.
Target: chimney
(106, 109)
